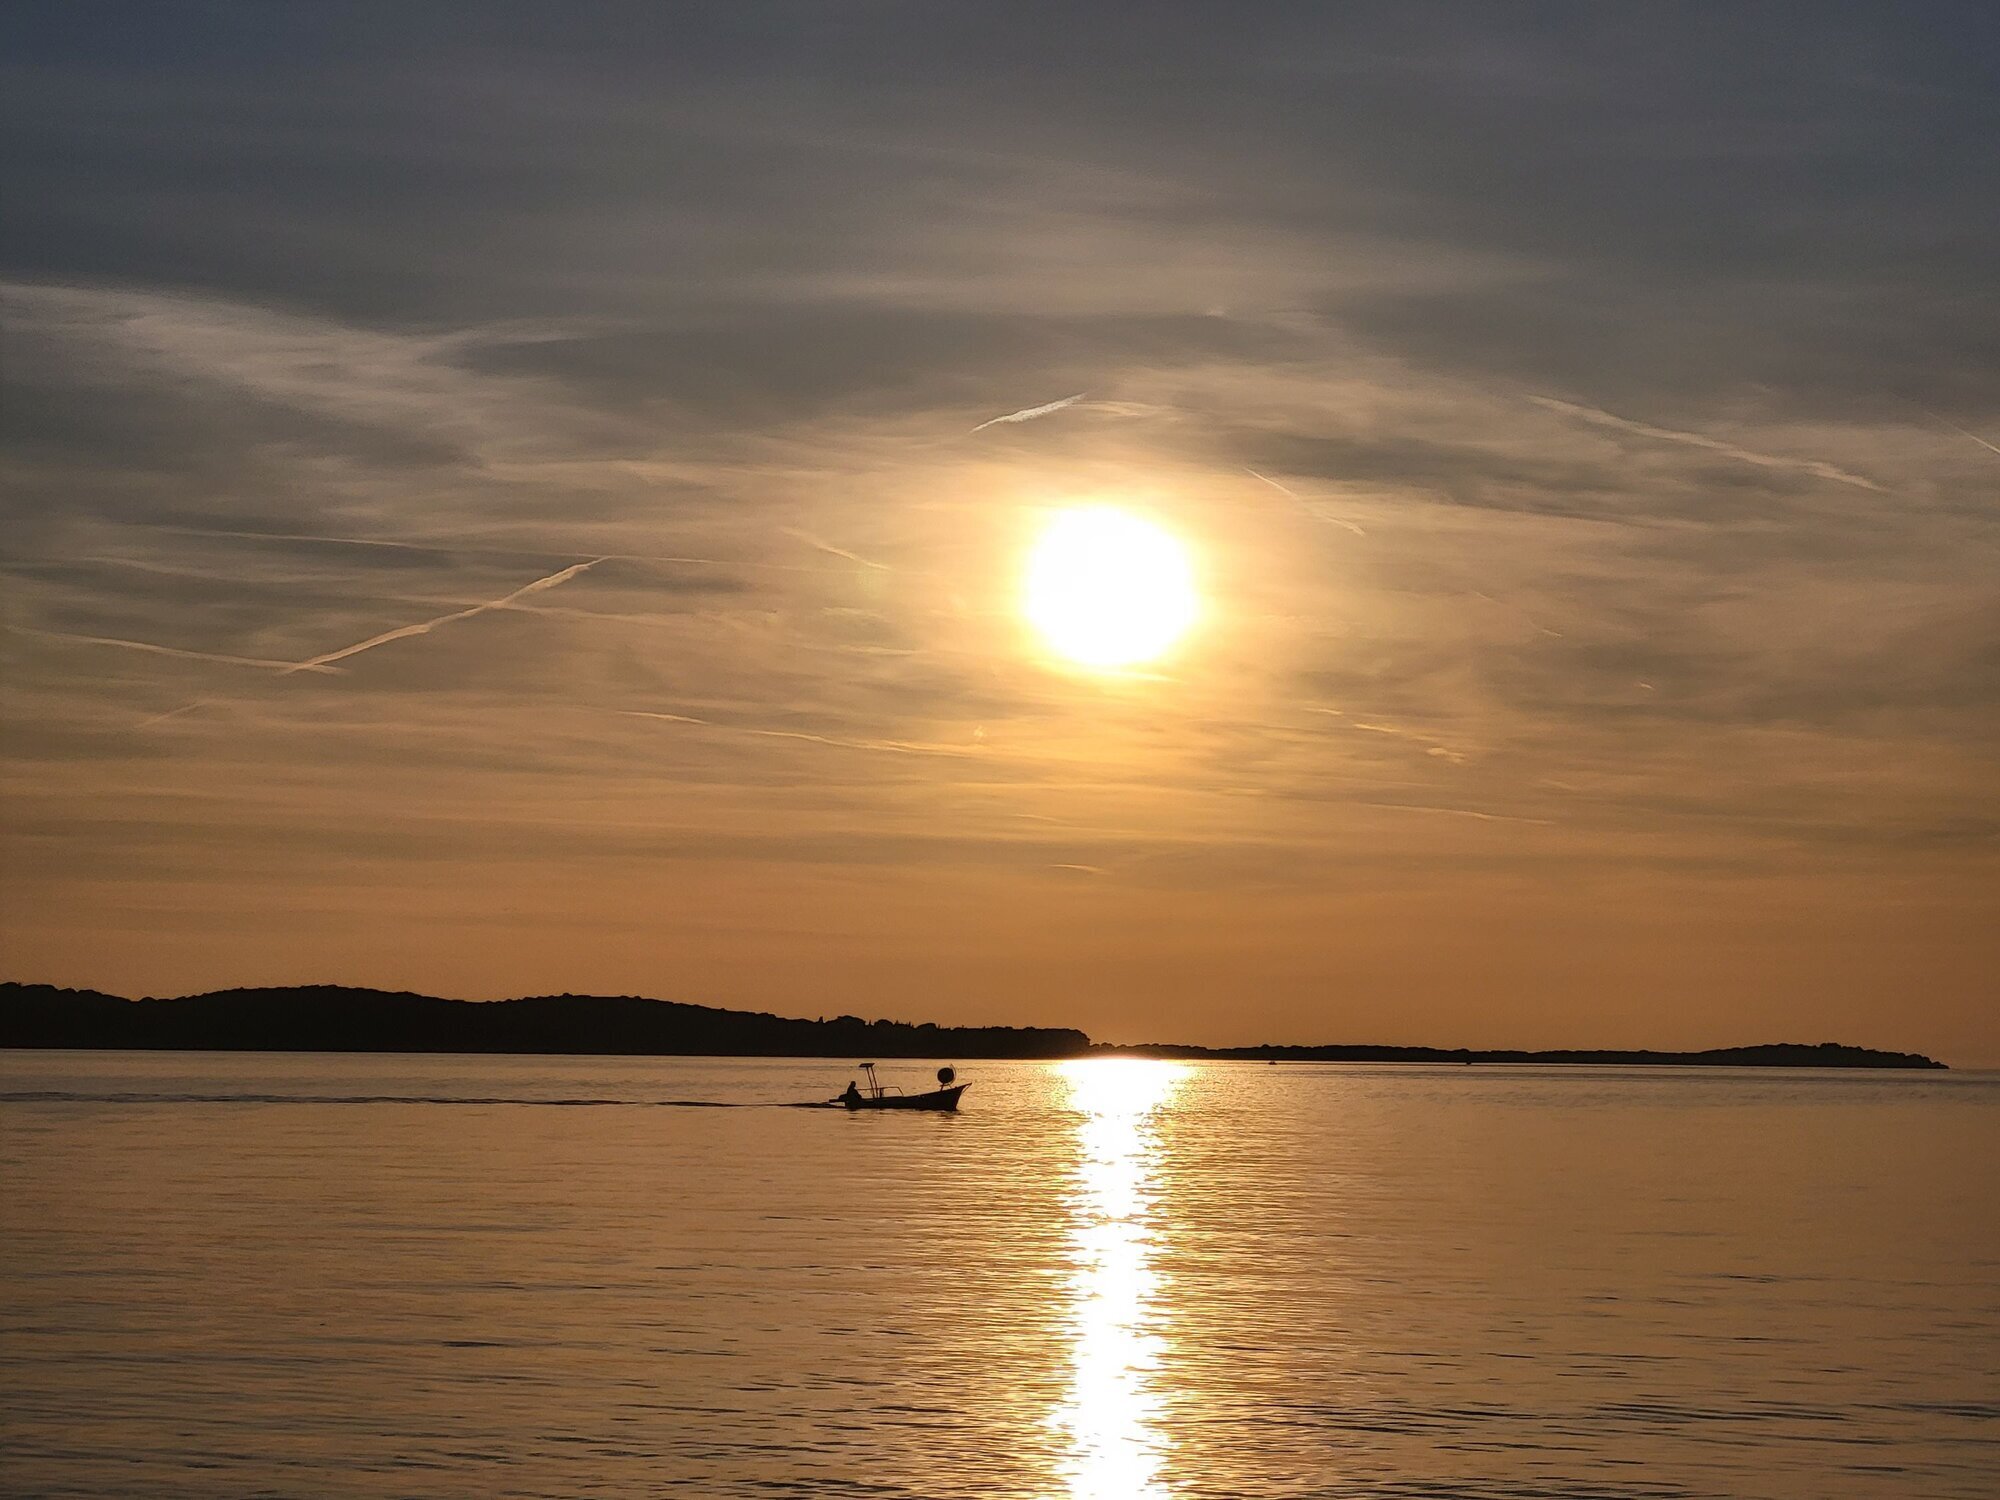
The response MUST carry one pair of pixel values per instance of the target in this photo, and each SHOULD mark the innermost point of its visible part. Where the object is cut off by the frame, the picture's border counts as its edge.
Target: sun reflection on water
(1111, 1418)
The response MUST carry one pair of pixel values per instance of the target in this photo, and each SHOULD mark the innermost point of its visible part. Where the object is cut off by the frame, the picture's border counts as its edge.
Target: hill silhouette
(332, 1018)
(335, 1018)
(1764, 1055)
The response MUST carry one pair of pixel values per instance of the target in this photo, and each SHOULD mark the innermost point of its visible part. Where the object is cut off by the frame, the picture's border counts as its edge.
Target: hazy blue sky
(1582, 419)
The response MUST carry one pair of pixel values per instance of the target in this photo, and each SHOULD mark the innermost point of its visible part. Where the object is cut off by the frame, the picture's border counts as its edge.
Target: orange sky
(605, 573)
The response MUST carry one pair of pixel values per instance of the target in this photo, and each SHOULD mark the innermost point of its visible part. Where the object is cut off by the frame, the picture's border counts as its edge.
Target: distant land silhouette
(333, 1018)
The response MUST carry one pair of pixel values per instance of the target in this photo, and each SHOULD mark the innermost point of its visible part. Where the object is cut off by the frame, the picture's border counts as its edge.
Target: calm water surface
(227, 1275)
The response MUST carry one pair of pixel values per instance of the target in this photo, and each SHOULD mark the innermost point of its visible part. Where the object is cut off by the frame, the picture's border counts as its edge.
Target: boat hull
(937, 1099)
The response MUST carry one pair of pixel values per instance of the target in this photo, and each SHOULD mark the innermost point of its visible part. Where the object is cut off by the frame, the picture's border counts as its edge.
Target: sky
(507, 500)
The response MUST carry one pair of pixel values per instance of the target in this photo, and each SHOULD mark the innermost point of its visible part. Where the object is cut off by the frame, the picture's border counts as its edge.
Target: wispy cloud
(1637, 630)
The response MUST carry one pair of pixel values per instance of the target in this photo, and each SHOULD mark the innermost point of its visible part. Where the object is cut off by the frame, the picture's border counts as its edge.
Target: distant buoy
(945, 1076)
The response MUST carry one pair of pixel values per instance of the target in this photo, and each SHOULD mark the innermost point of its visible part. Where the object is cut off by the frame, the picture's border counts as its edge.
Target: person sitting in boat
(853, 1095)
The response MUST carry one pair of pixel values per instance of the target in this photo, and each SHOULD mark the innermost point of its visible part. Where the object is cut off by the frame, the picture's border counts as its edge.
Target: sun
(1107, 589)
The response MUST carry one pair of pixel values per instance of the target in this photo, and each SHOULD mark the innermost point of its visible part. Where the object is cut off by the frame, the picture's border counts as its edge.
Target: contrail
(1431, 746)
(1459, 812)
(1813, 466)
(1300, 500)
(827, 547)
(175, 713)
(1962, 432)
(325, 660)
(460, 549)
(1131, 408)
(641, 713)
(262, 663)
(425, 627)
(335, 541)
(1029, 414)
(892, 747)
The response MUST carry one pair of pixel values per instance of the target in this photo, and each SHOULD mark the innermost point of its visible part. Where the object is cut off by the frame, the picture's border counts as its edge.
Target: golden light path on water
(1110, 1419)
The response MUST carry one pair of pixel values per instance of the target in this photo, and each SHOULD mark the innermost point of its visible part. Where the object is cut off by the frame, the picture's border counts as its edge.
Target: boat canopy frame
(875, 1088)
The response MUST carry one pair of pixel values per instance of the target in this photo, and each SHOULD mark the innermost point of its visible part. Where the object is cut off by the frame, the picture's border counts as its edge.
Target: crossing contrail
(325, 660)
(177, 652)
(425, 627)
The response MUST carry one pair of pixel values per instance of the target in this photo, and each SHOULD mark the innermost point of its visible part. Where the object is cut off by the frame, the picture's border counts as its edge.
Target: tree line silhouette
(335, 1018)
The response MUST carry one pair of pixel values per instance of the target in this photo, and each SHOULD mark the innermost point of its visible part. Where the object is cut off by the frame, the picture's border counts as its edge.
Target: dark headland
(332, 1018)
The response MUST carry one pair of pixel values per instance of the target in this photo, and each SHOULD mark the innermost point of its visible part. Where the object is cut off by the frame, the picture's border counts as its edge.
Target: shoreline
(327, 1018)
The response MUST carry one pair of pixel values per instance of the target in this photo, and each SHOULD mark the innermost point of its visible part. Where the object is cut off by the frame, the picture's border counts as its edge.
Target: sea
(343, 1275)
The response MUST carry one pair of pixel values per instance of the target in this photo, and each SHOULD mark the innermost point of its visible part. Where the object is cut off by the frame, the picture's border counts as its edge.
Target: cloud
(1662, 567)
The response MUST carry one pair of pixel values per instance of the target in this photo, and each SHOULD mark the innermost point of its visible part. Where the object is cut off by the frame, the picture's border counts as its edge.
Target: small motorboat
(878, 1095)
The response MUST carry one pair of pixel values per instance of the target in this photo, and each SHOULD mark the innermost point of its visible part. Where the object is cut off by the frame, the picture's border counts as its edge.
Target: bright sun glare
(1107, 589)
